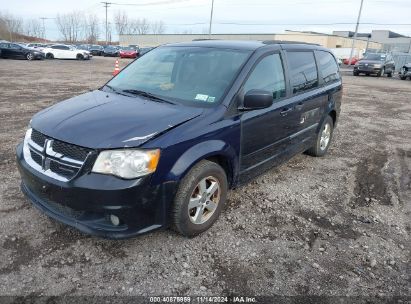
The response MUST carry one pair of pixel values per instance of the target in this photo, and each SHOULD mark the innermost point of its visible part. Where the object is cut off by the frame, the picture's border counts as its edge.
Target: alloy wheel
(204, 200)
(325, 136)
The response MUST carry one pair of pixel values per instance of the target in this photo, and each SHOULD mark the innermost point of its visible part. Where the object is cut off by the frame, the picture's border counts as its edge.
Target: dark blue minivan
(161, 143)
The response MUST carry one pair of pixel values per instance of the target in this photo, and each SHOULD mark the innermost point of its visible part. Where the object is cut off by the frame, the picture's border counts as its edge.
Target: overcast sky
(232, 16)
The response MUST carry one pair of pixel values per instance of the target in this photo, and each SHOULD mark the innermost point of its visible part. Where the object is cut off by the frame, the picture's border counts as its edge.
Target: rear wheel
(324, 137)
(355, 73)
(200, 198)
(403, 78)
(390, 73)
(29, 56)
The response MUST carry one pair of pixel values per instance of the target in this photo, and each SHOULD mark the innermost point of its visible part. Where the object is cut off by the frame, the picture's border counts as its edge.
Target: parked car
(17, 51)
(375, 63)
(160, 144)
(61, 51)
(110, 51)
(96, 50)
(405, 71)
(38, 46)
(346, 61)
(128, 52)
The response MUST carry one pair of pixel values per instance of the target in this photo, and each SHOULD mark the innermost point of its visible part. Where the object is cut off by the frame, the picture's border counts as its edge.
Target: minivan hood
(102, 120)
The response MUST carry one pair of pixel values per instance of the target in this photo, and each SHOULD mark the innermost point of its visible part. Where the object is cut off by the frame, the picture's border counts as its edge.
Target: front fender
(201, 151)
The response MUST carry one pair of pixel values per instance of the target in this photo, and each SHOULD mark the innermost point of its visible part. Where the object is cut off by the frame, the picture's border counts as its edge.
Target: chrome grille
(52, 157)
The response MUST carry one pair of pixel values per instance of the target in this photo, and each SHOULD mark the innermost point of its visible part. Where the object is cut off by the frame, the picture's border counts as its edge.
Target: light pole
(355, 33)
(44, 27)
(211, 19)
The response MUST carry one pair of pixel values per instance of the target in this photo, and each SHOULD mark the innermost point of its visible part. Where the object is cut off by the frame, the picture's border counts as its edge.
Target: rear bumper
(128, 55)
(87, 201)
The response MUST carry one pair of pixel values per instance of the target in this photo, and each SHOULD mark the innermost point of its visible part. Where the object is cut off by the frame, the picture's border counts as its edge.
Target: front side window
(197, 76)
(15, 46)
(328, 66)
(268, 75)
(303, 71)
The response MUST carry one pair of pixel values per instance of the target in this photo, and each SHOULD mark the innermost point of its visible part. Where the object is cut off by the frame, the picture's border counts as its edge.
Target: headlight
(128, 164)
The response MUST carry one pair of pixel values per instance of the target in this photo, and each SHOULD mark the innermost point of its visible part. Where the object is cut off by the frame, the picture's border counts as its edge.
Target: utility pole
(355, 33)
(106, 5)
(44, 27)
(211, 19)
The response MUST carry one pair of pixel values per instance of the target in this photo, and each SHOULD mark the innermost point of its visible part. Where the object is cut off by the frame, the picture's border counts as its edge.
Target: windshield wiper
(147, 94)
(114, 90)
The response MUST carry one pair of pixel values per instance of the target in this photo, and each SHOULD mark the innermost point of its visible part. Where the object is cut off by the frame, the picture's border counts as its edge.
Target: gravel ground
(337, 225)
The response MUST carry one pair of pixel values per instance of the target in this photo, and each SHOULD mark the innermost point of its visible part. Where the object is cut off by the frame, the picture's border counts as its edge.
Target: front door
(265, 133)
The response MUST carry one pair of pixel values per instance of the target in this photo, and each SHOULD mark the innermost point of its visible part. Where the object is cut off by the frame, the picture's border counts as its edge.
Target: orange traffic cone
(116, 68)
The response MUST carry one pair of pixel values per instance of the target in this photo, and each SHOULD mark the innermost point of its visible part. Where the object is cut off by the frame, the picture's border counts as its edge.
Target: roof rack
(287, 42)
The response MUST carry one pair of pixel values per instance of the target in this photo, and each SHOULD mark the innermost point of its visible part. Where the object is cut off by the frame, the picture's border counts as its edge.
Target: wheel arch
(217, 151)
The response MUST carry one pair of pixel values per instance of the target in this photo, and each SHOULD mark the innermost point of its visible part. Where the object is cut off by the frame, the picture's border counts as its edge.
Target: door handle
(299, 106)
(285, 111)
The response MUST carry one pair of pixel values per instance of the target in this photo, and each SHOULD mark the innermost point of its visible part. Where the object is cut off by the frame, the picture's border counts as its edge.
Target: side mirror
(257, 99)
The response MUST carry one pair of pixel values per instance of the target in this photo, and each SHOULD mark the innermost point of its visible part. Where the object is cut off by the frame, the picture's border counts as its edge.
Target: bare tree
(10, 25)
(92, 29)
(121, 22)
(139, 26)
(34, 28)
(71, 26)
(158, 28)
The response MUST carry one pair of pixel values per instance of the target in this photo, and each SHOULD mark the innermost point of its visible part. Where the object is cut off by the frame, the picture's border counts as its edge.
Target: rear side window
(268, 75)
(303, 71)
(328, 66)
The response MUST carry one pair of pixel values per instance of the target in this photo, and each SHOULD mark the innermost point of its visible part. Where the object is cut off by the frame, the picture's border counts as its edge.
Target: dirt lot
(338, 225)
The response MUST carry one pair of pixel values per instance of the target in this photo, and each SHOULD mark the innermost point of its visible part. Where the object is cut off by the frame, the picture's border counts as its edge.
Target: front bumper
(87, 201)
(39, 55)
(367, 69)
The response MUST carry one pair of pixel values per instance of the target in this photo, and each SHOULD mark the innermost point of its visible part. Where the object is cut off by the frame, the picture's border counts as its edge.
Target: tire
(321, 147)
(391, 73)
(356, 73)
(403, 78)
(29, 56)
(49, 56)
(195, 188)
(79, 57)
(381, 73)
(368, 74)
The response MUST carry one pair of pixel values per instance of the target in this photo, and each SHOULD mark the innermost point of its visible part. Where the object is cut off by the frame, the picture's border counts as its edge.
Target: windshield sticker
(201, 97)
(211, 99)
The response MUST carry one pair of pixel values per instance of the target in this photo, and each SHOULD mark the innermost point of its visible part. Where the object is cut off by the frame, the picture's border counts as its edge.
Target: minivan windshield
(380, 57)
(197, 76)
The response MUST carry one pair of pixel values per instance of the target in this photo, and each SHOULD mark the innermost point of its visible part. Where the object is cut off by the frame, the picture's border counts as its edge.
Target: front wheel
(29, 56)
(403, 77)
(200, 198)
(382, 72)
(50, 56)
(324, 137)
(80, 57)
